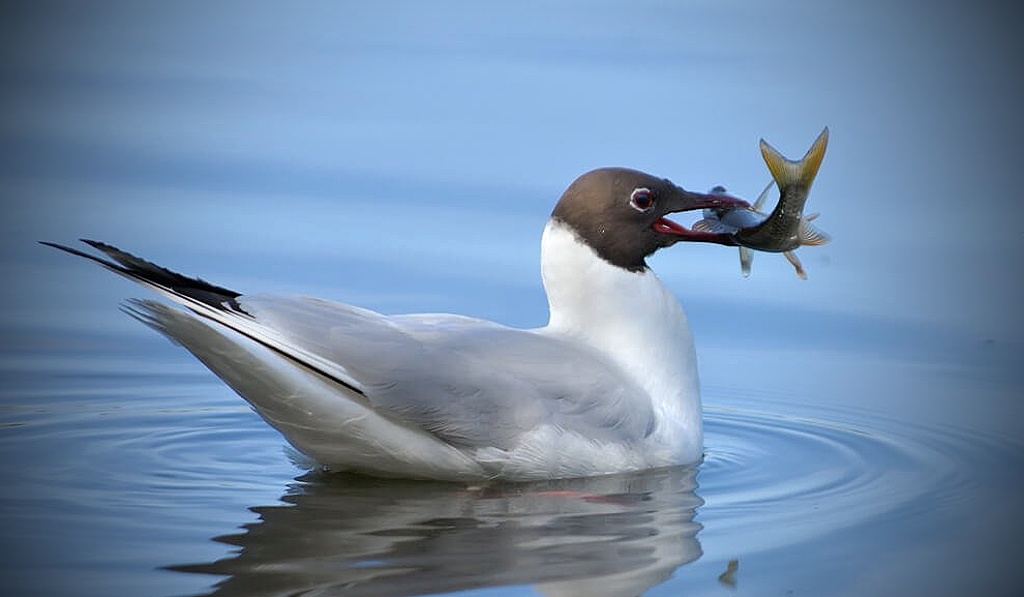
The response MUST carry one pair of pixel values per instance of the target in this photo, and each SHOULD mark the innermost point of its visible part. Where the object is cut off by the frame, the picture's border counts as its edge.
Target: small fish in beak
(785, 228)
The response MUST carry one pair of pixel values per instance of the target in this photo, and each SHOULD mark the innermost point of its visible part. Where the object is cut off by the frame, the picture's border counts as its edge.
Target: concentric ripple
(166, 465)
(815, 473)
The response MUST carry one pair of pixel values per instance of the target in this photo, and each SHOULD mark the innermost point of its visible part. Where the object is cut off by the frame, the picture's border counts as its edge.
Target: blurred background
(378, 151)
(404, 156)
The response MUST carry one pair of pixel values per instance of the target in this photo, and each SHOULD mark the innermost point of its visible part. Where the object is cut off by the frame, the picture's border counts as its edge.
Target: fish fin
(811, 235)
(792, 258)
(746, 258)
(788, 173)
(712, 225)
(762, 197)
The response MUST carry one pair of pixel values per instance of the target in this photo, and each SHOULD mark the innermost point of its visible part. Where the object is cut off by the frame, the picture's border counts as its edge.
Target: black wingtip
(98, 244)
(83, 254)
(141, 270)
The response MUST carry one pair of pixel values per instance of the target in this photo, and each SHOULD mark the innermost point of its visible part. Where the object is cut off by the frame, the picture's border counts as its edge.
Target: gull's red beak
(688, 201)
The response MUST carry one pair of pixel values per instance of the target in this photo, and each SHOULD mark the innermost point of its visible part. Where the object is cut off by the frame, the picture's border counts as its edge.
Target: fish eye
(641, 199)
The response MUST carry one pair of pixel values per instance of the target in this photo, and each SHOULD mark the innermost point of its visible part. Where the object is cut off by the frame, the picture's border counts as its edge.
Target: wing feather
(470, 382)
(473, 383)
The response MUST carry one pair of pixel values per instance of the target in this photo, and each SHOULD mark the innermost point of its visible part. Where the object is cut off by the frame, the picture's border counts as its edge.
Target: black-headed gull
(609, 385)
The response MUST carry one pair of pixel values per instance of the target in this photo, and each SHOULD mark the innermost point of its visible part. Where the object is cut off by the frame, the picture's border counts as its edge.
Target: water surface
(140, 474)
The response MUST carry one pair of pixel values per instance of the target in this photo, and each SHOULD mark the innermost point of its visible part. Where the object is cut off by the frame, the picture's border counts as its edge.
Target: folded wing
(468, 383)
(471, 382)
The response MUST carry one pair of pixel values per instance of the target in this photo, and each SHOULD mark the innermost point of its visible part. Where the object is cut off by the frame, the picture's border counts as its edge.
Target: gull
(609, 385)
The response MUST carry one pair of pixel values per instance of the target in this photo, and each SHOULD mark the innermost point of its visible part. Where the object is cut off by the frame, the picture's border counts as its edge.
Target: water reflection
(350, 535)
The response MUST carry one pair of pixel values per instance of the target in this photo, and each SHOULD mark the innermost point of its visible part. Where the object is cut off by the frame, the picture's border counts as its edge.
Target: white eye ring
(641, 199)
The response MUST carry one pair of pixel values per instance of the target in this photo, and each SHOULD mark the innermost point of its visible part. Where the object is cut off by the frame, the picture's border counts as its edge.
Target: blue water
(863, 426)
(130, 470)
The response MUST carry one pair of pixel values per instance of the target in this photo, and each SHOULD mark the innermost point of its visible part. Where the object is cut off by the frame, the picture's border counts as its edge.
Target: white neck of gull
(633, 319)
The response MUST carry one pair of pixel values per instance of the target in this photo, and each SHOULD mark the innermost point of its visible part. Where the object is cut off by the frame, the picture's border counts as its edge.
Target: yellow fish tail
(788, 173)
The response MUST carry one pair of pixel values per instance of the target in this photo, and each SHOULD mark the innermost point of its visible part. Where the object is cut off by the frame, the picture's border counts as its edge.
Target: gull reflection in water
(350, 535)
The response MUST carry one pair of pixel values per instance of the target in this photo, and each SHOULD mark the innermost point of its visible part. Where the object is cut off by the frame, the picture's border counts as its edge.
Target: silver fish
(785, 228)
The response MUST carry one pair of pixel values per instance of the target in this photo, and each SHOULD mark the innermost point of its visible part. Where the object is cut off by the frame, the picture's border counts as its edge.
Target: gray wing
(471, 382)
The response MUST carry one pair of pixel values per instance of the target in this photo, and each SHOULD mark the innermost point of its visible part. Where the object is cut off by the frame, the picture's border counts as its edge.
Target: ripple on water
(163, 464)
(809, 474)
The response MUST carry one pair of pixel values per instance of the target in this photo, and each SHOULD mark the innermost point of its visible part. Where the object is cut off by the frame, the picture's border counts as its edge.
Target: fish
(784, 229)
(732, 219)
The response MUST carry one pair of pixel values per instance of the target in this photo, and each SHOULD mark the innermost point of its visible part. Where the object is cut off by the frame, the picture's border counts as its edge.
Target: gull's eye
(641, 199)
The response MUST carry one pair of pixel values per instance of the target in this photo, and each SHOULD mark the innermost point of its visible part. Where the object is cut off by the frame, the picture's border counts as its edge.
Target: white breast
(637, 322)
